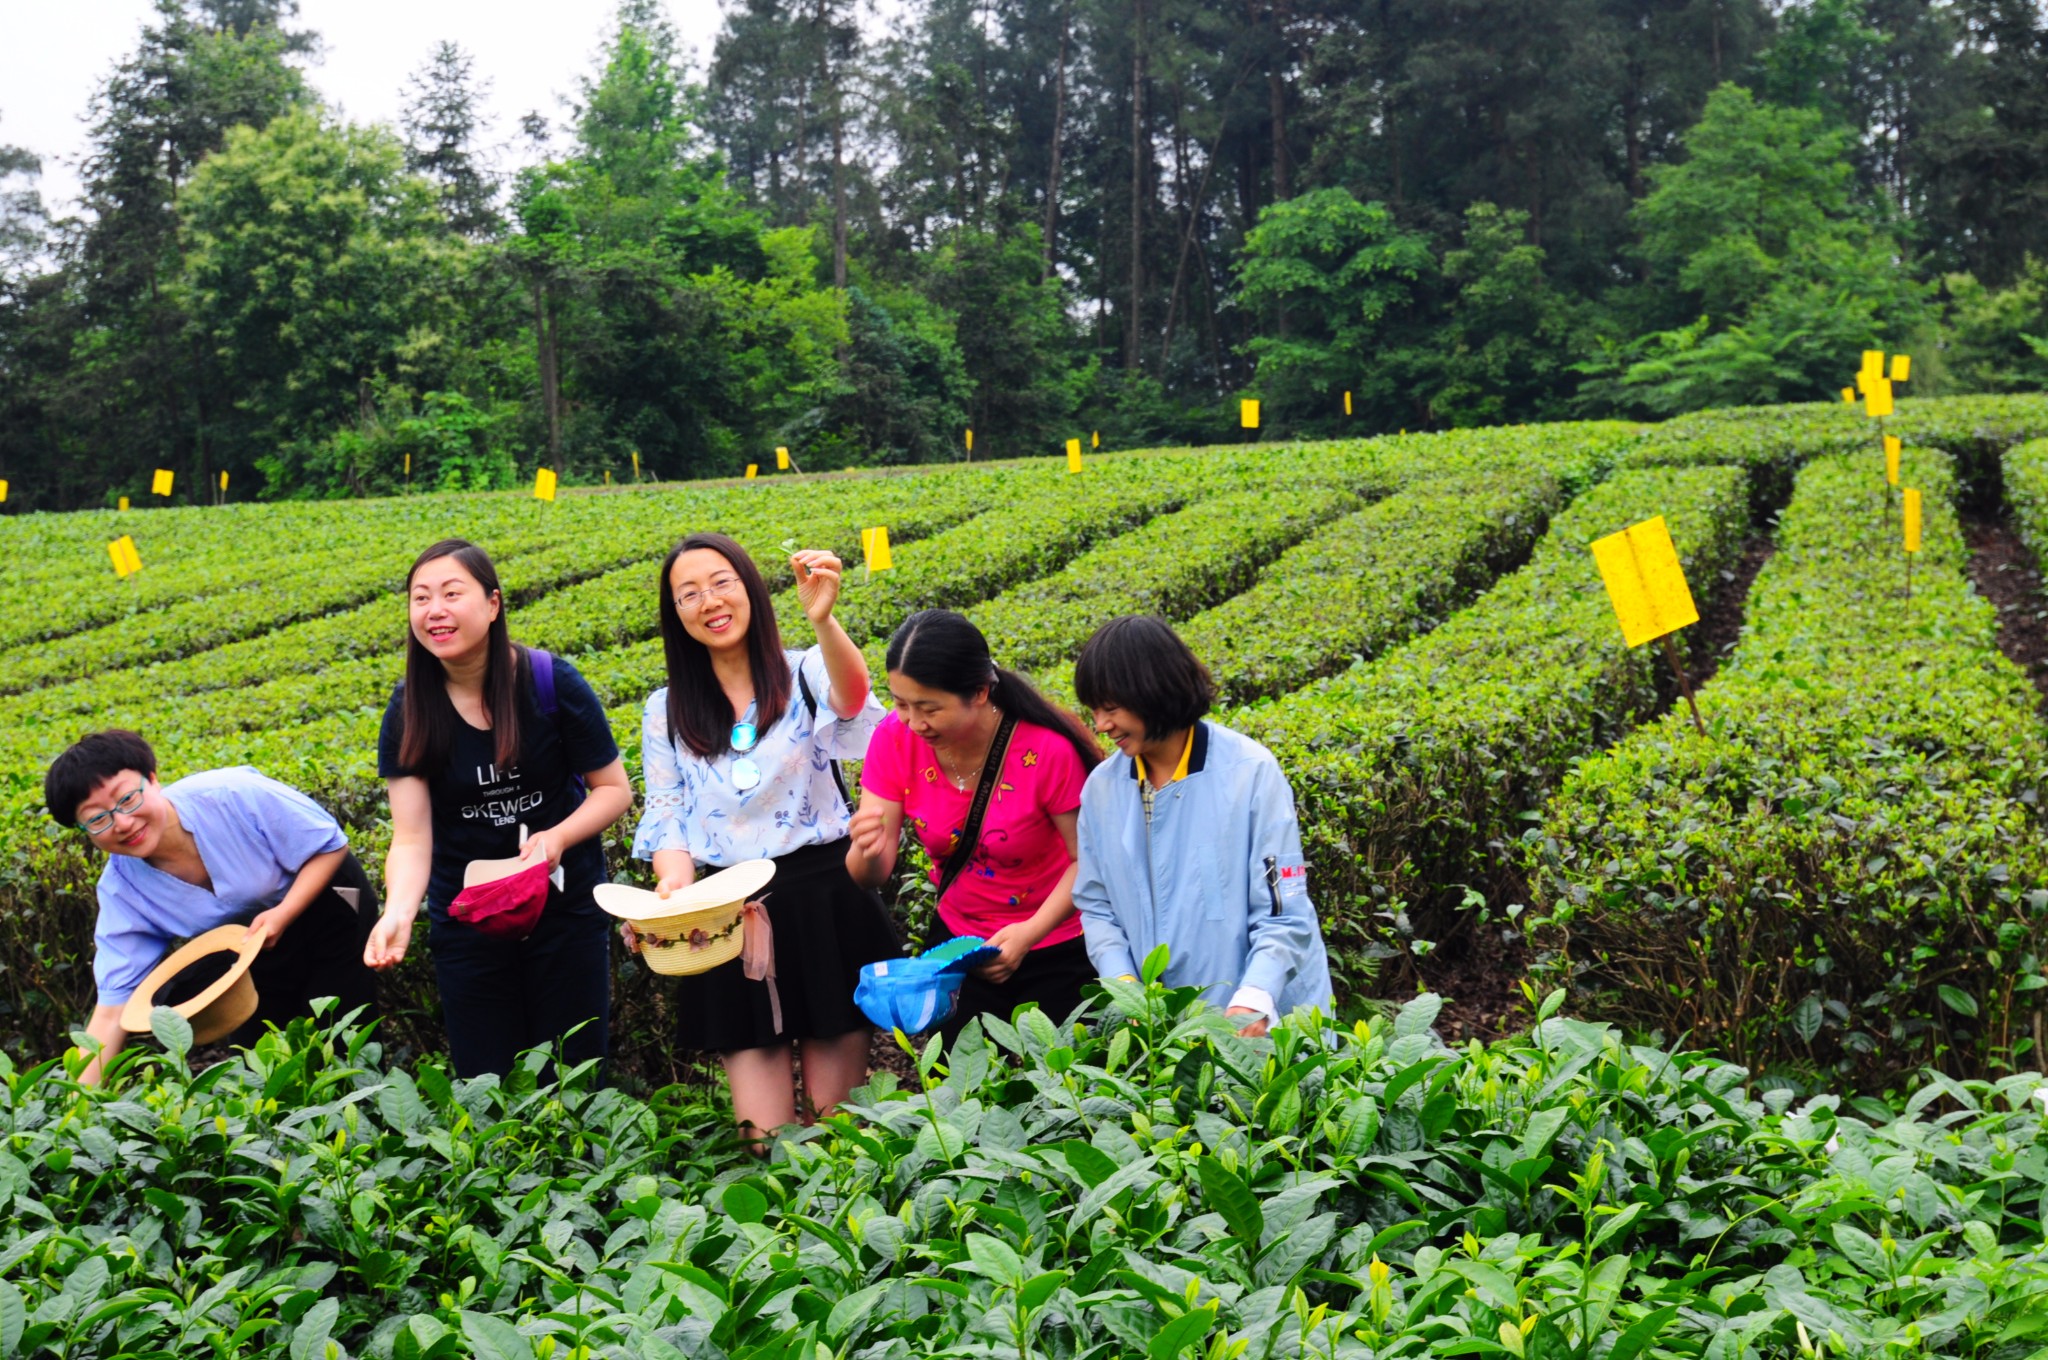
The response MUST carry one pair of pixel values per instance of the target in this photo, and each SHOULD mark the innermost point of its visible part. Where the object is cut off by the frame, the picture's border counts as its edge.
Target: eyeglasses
(127, 807)
(717, 585)
(745, 773)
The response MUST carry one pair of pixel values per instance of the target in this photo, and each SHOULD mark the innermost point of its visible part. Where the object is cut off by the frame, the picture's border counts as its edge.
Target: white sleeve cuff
(1257, 999)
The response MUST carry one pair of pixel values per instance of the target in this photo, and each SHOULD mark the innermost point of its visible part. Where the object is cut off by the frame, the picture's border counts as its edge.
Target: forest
(860, 234)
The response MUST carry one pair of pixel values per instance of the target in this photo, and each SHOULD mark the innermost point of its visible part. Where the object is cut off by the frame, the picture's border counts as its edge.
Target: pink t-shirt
(1021, 854)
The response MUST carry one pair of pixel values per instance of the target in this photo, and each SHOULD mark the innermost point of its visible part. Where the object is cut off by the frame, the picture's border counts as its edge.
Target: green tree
(1348, 277)
(319, 272)
(440, 121)
(1506, 344)
(1014, 339)
(1758, 236)
(1998, 337)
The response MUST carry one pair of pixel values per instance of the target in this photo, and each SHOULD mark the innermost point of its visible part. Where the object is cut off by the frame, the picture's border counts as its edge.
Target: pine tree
(441, 123)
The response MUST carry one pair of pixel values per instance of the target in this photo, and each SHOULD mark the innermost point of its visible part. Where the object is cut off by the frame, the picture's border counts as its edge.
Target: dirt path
(2006, 574)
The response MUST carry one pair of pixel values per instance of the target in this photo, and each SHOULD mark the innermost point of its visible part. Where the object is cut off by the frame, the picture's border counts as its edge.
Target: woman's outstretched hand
(817, 582)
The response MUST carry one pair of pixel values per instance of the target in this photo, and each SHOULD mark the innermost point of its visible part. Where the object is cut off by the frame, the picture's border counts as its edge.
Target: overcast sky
(54, 54)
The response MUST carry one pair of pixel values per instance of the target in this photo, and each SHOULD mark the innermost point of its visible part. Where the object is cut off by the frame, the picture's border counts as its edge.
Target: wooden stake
(1684, 683)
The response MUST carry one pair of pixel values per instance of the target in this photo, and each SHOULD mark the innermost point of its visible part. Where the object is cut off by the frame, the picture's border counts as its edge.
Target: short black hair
(1138, 663)
(92, 759)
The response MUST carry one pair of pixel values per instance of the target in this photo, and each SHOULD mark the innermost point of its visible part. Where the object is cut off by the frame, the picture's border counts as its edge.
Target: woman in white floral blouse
(738, 753)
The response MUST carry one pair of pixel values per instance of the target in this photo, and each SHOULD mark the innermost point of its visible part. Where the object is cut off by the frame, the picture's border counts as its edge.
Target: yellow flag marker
(1645, 581)
(160, 484)
(544, 484)
(1646, 584)
(1073, 455)
(121, 504)
(1347, 403)
(1248, 413)
(1912, 519)
(782, 458)
(1891, 459)
(1848, 396)
(1902, 367)
(1877, 398)
(127, 561)
(874, 547)
(752, 468)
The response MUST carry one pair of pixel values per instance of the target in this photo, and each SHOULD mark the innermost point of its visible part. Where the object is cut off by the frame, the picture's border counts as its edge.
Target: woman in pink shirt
(924, 766)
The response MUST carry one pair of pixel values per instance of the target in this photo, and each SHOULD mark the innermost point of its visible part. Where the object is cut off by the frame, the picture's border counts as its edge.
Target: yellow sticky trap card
(1248, 413)
(121, 504)
(782, 458)
(1912, 519)
(408, 465)
(223, 479)
(1073, 455)
(127, 561)
(1891, 459)
(874, 548)
(1645, 581)
(753, 468)
(1902, 367)
(3, 491)
(1095, 440)
(970, 441)
(1873, 363)
(607, 476)
(1848, 396)
(160, 484)
(1877, 398)
(636, 465)
(1347, 403)
(544, 484)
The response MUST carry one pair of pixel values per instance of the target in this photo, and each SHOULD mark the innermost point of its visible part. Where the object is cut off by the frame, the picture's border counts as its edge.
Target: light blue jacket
(1196, 879)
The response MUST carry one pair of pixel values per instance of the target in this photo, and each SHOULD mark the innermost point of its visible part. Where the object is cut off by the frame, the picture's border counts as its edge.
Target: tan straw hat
(223, 1006)
(693, 929)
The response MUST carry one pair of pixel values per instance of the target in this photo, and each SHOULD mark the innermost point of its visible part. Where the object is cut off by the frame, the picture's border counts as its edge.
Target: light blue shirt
(1193, 876)
(254, 835)
(691, 803)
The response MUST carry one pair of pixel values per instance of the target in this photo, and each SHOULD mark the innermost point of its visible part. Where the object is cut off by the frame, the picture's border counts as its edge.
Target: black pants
(319, 954)
(500, 997)
(1051, 976)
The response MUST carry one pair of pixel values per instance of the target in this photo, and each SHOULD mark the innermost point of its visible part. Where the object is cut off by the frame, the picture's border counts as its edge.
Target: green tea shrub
(1848, 874)
(1147, 1184)
(1411, 771)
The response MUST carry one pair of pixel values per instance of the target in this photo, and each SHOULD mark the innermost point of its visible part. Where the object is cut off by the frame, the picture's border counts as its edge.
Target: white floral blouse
(692, 805)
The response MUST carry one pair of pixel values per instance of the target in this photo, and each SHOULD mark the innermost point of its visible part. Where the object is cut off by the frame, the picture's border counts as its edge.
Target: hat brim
(480, 871)
(245, 942)
(726, 888)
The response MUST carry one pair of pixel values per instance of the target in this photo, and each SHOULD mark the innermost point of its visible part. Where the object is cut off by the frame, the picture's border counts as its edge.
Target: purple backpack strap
(544, 680)
(543, 663)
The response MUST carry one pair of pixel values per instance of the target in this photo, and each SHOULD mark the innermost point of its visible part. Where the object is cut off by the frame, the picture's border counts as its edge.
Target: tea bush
(1846, 875)
(1411, 770)
(1148, 1183)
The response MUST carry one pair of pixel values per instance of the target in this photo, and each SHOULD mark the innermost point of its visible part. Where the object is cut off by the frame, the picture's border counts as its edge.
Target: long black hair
(428, 731)
(940, 649)
(699, 714)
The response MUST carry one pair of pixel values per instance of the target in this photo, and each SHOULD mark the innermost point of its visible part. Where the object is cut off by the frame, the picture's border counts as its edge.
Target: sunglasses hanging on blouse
(745, 773)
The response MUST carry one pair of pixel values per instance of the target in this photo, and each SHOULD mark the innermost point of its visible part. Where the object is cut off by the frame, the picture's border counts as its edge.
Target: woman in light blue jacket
(1188, 837)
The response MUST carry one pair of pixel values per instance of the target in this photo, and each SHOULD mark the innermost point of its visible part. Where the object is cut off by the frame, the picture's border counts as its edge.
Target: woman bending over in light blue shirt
(1188, 837)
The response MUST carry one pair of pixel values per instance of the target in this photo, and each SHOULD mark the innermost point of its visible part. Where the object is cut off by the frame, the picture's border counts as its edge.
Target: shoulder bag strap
(803, 683)
(984, 789)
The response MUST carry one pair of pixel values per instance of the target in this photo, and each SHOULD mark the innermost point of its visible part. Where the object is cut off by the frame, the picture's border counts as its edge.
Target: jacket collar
(1192, 757)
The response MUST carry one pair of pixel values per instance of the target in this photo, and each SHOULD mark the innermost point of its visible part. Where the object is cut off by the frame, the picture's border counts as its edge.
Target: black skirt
(826, 927)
